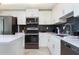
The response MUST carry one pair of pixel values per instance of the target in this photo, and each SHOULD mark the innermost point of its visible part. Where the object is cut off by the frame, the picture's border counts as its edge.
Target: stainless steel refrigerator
(6, 25)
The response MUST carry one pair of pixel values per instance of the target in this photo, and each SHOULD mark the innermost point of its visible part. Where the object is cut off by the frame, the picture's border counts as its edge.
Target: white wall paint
(19, 14)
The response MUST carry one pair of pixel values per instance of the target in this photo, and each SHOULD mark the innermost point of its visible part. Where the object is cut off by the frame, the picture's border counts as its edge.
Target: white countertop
(9, 38)
(74, 40)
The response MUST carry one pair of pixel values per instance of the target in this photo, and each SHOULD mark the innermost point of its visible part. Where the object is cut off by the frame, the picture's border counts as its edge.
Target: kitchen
(41, 29)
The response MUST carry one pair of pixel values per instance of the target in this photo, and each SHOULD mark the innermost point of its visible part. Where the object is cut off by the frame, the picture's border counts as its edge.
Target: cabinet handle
(67, 45)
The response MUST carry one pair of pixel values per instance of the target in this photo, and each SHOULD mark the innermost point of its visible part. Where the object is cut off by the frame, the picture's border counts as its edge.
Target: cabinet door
(45, 17)
(57, 12)
(32, 13)
(43, 40)
(51, 44)
(68, 7)
(48, 19)
(57, 48)
(21, 20)
(41, 17)
(49, 41)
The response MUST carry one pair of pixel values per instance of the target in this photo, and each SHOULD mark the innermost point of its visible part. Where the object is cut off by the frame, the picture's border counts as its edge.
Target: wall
(19, 14)
(75, 23)
(47, 28)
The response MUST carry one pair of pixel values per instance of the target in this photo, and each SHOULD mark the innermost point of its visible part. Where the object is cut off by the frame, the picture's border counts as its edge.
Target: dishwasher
(68, 49)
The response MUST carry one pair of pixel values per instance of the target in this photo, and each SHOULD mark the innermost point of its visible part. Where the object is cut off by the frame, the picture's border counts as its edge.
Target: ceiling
(26, 6)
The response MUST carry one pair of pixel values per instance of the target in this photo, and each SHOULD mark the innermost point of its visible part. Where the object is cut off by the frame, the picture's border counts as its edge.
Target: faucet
(68, 31)
(58, 30)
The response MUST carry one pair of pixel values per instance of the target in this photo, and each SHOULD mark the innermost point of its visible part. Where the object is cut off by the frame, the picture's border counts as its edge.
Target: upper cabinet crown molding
(32, 13)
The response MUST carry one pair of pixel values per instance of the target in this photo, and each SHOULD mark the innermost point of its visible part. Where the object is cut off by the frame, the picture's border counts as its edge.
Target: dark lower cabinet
(66, 49)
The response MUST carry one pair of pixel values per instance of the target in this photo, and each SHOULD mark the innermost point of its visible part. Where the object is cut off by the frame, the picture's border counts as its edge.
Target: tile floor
(40, 51)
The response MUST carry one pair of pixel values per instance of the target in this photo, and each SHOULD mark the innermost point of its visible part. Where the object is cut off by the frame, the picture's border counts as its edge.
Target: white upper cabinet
(61, 10)
(21, 20)
(68, 7)
(32, 13)
(76, 9)
(45, 17)
(57, 12)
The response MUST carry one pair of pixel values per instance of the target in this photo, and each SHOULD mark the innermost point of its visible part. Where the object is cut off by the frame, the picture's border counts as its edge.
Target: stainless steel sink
(62, 35)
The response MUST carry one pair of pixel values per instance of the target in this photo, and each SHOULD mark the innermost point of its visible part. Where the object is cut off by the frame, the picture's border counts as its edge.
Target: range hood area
(67, 15)
(63, 19)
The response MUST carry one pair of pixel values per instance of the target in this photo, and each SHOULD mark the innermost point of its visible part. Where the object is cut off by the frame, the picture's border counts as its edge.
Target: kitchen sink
(62, 35)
